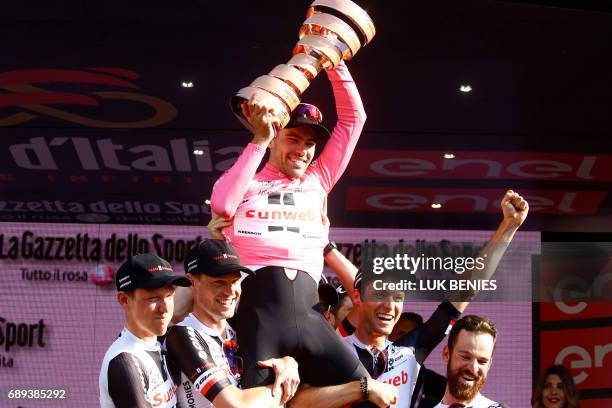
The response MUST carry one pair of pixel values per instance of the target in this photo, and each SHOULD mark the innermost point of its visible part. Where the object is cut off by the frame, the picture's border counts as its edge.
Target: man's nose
(472, 366)
(163, 306)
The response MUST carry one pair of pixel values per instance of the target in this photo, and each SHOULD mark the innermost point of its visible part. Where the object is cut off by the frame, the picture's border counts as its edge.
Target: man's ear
(192, 278)
(271, 144)
(445, 354)
(122, 298)
(356, 297)
(329, 316)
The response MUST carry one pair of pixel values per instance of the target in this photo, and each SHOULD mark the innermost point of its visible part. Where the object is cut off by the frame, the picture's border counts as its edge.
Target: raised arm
(231, 187)
(351, 118)
(514, 209)
(425, 338)
(345, 270)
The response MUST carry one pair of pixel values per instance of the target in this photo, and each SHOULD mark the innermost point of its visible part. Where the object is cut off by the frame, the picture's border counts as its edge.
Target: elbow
(220, 207)
(221, 211)
(301, 398)
(360, 116)
(359, 121)
(297, 402)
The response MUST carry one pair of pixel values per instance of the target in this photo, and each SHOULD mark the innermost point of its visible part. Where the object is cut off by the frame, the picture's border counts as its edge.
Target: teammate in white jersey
(134, 373)
(469, 355)
(202, 346)
(398, 363)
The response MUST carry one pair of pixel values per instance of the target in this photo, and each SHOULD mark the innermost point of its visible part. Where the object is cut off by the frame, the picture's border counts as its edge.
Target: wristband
(363, 386)
(331, 245)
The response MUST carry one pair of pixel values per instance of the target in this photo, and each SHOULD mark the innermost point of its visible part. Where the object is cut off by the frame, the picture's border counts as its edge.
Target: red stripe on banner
(550, 311)
(43, 98)
(481, 165)
(33, 76)
(389, 199)
(596, 403)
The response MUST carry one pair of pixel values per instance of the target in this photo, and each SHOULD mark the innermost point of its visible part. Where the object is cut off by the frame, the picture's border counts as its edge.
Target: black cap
(358, 279)
(147, 271)
(214, 257)
(306, 114)
(328, 295)
(321, 131)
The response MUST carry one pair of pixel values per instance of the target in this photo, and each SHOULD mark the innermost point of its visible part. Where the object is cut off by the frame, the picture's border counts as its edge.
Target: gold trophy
(334, 30)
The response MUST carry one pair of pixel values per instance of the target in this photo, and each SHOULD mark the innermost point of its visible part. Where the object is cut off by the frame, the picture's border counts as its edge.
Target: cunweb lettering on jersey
(397, 380)
(401, 370)
(282, 216)
(165, 397)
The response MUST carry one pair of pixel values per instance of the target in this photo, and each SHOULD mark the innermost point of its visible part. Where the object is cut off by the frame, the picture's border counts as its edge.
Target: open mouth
(468, 379)
(297, 162)
(554, 400)
(229, 302)
(385, 317)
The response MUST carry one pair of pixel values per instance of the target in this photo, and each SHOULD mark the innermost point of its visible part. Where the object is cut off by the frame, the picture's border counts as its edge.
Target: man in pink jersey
(278, 232)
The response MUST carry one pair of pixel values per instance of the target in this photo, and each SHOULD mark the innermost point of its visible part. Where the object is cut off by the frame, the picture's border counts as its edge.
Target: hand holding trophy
(334, 30)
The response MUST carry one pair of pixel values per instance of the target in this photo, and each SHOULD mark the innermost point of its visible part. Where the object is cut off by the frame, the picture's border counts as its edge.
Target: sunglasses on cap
(307, 111)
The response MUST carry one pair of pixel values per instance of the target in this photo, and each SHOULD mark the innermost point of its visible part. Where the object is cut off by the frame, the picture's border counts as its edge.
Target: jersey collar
(193, 321)
(474, 403)
(361, 345)
(131, 337)
(274, 172)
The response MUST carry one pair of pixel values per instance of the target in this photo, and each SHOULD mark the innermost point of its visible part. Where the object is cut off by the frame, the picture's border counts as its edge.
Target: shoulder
(123, 362)
(181, 336)
(350, 339)
(189, 349)
(345, 328)
(119, 346)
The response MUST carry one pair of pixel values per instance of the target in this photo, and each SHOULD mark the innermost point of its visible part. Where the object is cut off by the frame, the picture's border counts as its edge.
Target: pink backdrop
(82, 319)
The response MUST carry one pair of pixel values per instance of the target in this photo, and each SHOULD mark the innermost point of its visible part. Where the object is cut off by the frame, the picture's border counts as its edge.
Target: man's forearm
(494, 250)
(332, 396)
(258, 397)
(351, 117)
(349, 107)
(492, 254)
(345, 270)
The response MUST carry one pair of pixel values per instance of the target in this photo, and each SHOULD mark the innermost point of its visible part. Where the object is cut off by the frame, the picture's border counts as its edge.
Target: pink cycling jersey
(277, 219)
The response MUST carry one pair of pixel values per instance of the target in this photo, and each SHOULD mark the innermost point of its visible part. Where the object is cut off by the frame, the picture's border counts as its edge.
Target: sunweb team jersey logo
(24, 90)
